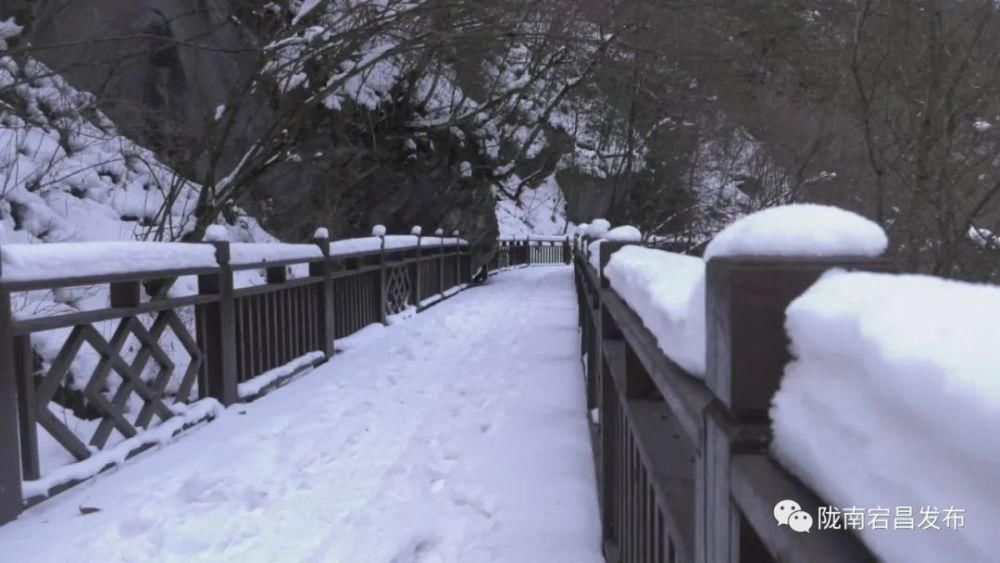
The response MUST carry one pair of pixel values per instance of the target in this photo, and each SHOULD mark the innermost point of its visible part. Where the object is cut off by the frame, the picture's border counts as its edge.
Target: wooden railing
(684, 472)
(229, 337)
(530, 250)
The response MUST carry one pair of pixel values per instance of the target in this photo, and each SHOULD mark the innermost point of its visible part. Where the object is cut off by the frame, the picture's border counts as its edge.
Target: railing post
(609, 247)
(382, 281)
(440, 234)
(323, 269)
(594, 362)
(527, 249)
(217, 329)
(567, 251)
(458, 259)
(747, 350)
(416, 272)
(11, 502)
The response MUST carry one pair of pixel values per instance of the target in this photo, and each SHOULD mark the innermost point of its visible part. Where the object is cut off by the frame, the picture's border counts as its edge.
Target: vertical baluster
(382, 281)
(323, 305)
(241, 326)
(417, 277)
(10, 443)
(218, 339)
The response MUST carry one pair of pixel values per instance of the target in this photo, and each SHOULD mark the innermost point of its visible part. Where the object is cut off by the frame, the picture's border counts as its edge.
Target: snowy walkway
(457, 436)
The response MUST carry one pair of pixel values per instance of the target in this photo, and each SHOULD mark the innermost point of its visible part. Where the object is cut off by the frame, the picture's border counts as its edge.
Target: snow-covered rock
(800, 230)
(541, 211)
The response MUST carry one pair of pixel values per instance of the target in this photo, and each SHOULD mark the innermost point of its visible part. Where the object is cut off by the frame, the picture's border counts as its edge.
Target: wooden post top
(746, 343)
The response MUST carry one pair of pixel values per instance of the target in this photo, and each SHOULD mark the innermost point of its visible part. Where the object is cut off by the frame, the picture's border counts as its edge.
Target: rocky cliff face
(134, 56)
(162, 71)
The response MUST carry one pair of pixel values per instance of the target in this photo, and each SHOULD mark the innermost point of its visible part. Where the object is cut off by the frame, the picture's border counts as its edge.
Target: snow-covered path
(456, 436)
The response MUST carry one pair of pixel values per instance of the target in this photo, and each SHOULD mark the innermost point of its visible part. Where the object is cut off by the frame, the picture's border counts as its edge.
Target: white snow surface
(161, 434)
(215, 233)
(541, 211)
(245, 253)
(893, 400)
(667, 291)
(429, 442)
(597, 228)
(799, 230)
(624, 233)
(255, 385)
(30, 262)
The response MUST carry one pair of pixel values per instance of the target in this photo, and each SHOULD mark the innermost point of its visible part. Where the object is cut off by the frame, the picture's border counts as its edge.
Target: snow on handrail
(40, 262)
(26, 263)
(536, 238)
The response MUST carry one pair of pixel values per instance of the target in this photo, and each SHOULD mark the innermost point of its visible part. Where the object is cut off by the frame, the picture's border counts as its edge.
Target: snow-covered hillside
(66, 174)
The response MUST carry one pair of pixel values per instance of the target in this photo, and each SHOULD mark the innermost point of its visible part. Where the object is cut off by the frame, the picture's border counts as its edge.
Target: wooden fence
(531, 251)
(683, 467)
(229, 335)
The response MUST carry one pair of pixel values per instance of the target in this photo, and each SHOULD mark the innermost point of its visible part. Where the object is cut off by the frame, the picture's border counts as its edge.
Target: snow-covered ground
(456, 436)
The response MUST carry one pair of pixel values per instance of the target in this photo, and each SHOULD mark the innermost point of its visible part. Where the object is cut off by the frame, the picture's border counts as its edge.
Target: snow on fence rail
(531, 250)
(93, 387)
(685, 468)
(893, 400)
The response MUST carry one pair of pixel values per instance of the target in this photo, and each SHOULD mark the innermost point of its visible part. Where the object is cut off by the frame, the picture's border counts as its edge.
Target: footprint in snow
(420, 550)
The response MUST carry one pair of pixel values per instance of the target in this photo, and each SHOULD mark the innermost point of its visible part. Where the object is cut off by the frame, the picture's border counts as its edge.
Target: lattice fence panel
(398, 288)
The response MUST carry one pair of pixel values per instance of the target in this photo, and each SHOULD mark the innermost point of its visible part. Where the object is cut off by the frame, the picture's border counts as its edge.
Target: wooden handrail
(684, 471)
(230, 334)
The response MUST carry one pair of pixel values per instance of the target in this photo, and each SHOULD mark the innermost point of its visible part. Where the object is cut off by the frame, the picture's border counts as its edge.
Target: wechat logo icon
(789, 513)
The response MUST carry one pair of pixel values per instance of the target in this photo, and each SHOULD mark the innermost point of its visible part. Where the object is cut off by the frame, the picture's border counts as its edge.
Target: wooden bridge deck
(458, 435)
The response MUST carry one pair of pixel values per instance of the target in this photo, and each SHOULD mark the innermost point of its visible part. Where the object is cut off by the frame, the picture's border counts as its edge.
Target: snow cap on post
(581, 229)
(321, 233)
(625, 233)
(598, 228)
(439, 232)
(800, 230)
(215, 233)
(456, 233)
(416, 230)
(378, 231)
